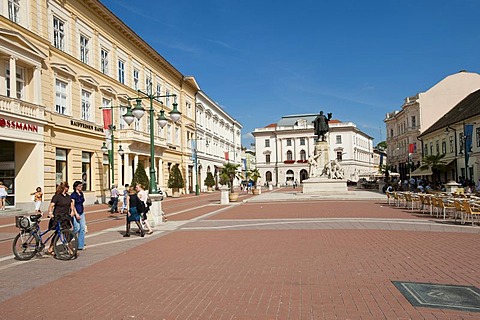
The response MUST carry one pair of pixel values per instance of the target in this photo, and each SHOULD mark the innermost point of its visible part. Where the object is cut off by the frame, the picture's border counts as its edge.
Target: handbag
(33, 197)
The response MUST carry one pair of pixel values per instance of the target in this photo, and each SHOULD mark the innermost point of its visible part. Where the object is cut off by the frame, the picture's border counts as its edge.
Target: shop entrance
(7, 169)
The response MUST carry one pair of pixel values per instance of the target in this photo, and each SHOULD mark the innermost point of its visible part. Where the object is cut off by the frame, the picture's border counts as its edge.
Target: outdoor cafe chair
(390, 197)
(427, 204)
(459, 209)
(443, 206)
(471, 210)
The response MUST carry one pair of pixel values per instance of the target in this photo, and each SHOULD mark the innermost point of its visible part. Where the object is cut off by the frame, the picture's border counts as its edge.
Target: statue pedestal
(319, 185)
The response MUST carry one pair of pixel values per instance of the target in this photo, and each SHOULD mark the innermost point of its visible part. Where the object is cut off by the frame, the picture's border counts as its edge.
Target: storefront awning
(421, 172)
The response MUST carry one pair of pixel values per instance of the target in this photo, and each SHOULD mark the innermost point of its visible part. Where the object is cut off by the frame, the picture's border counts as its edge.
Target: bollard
(156, 216)
(224, 195)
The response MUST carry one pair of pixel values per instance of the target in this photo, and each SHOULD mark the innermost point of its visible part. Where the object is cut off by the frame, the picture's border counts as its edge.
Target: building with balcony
(218, 138)
(282, 149)
(457, 136)
(418, 113)
(62, 62)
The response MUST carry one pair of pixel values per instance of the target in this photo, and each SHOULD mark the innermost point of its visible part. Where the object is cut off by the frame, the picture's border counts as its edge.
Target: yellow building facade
(61, 63)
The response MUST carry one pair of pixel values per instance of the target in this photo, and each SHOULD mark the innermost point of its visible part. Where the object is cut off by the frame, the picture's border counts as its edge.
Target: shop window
(106, 172)
(86, 170)
(60, 166)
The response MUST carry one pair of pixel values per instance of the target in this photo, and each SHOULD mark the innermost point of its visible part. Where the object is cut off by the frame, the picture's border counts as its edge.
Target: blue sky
(261, 60)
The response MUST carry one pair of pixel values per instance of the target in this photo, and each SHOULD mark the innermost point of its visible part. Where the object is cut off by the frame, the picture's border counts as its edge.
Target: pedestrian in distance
(60, 210)
(3, 195)
(143, 196)
(133, 214)
(38, 197)
(125, 195)
(114, 199)
(78, 220)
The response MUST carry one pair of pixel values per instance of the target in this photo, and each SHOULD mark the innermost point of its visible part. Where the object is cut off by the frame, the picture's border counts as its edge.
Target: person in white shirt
(143, 196)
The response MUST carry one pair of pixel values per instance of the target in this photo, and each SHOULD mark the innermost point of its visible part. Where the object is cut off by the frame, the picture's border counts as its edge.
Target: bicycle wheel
(65, 245)
(25, 245)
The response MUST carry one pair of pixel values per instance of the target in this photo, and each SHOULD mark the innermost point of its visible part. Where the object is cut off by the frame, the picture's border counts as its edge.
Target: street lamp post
(138, 112)
(110, 148)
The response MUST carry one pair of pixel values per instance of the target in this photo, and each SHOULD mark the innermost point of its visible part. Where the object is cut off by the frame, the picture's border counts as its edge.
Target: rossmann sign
(17, 125)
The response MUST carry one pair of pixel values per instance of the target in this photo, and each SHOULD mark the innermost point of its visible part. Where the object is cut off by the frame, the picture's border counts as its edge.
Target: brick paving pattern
(306, 260)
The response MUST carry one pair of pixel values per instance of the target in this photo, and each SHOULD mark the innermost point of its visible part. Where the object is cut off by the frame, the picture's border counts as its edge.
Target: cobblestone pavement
(252, 260)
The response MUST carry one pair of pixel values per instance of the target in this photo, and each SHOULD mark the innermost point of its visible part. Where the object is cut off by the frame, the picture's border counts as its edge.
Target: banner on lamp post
(107, 118)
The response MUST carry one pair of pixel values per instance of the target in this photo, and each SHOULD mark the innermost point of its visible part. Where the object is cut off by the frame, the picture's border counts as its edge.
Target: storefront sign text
(86, 126)
(16, 125)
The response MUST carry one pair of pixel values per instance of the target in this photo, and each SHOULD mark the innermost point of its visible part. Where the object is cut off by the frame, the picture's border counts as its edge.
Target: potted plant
(140, 176)
(254, 174)
(175, 181)
(228, 174)
(209, 181)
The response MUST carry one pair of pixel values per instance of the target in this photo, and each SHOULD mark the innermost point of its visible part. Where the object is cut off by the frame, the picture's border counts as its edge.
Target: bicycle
(29, 241)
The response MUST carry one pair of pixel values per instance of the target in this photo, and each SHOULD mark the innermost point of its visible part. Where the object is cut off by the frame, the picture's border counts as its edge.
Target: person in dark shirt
(134, 208)
(60, 210)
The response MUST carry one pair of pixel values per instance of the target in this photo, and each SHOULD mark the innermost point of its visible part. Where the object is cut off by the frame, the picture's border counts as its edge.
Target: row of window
(402, 128)
(303, 156)
(287, 141)
(429, 147)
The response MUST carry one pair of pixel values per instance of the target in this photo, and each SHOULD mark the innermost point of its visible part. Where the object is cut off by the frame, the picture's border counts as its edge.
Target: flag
(226, 155)
(107, 118)
(411, 148)
(468, 132)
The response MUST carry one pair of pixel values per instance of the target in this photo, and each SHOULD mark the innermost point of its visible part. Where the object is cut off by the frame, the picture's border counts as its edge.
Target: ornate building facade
(282, 149)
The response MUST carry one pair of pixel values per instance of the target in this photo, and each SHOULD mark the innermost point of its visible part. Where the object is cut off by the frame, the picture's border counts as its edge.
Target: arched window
(289, 155)
(303, 155)
(289, 175)
(268, 176)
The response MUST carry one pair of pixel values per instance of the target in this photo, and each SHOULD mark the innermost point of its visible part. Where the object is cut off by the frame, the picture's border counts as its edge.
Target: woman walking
(38, 197)
(79, 221)
(3, 195)
(60, 210)
(133, 214)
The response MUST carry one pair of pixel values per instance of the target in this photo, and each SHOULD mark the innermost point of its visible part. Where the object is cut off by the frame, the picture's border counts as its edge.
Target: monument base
(323, 185)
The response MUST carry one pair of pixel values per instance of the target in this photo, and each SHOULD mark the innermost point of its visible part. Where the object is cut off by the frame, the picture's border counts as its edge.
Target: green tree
(435, 163)
(209, 180)
(140, 176)
(382, 145)
(175, 180)
(229, 174)
(254, 174)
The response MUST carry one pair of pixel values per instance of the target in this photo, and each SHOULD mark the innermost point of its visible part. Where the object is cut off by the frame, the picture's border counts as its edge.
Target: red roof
(271, 125)
(334, 121)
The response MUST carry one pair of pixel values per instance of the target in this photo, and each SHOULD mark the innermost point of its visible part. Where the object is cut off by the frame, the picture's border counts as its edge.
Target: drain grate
(465, 298)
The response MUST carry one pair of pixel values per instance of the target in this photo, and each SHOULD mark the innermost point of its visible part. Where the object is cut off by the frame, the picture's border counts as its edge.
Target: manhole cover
(431, 295)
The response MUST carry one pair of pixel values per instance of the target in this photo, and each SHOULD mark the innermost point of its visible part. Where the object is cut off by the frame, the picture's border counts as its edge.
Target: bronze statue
(321, 125)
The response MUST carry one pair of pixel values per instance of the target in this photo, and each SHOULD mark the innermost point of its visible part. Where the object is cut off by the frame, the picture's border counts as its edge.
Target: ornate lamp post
(137, 113)
(110, 148)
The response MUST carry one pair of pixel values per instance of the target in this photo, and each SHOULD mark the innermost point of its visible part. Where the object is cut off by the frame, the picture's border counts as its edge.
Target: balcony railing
(22, 108)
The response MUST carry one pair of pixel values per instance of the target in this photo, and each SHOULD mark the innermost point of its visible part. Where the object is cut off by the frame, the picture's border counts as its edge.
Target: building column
(126, 167)
(13, 77)
(37, 87)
